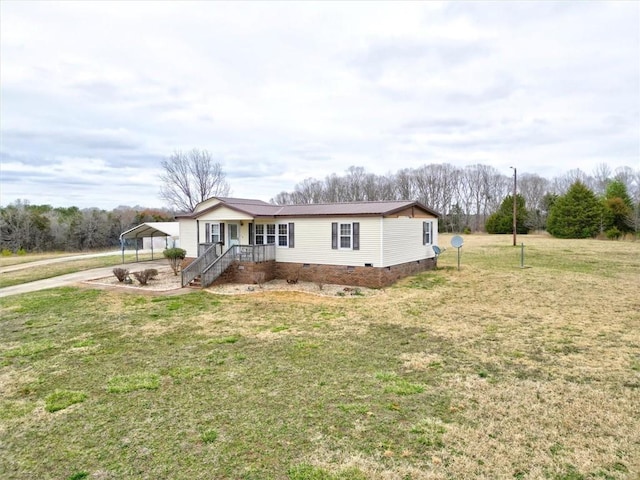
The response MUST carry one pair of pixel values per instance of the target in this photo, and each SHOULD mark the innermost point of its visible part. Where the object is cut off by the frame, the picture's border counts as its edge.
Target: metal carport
(150, 229)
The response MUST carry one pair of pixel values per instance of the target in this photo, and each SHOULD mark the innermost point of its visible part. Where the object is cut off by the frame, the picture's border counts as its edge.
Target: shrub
(613, 233)
(120, 273)
(22, 252)
(6, 252)
(259, 278)
(152, 272)
(467, 231)
(175, 257)
(144, 276)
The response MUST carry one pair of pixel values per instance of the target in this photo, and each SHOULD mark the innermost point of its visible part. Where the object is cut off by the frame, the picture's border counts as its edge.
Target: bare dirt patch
(326, 290)
(165, 281)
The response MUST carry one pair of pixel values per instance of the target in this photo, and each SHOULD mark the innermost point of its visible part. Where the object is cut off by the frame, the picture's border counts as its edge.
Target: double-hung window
(427, 233)
(271, 233)
(283, 235)
(265, 234)
(345, 236)
(215, 232)
(260, 240)
(212, 233)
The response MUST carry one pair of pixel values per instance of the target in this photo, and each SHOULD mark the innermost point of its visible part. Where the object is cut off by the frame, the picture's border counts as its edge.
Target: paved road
(71, 278)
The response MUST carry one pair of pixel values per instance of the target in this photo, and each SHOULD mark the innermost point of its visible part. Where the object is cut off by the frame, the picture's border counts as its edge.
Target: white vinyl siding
(313, 242)
(382, 241)
(224, 215)
(188, 237)
(403, 240)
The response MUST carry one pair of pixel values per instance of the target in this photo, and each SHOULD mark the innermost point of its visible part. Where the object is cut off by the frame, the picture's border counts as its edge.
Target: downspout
(151, 245)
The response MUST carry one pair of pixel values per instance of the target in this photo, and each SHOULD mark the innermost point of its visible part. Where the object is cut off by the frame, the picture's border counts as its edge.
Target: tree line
(471, 198)
(38, 228)
(465, 196)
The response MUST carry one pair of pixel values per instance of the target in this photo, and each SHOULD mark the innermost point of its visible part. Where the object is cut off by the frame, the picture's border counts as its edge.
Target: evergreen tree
(577, 214)
(618, 209)
(502, 220)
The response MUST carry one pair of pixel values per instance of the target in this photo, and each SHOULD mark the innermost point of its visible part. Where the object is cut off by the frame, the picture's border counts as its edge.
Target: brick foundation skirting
(248, 272)
(373, 277)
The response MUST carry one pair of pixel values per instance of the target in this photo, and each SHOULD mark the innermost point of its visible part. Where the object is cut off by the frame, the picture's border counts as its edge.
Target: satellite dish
(457, 241)
(436, 250)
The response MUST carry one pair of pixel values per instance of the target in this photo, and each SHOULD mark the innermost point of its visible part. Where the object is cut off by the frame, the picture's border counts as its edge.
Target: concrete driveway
(71, 278)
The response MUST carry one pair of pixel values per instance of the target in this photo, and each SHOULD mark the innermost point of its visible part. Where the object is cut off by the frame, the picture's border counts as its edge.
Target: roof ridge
(348, 203)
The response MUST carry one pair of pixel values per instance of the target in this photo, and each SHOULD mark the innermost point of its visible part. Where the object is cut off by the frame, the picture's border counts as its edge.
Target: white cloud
(297, 90)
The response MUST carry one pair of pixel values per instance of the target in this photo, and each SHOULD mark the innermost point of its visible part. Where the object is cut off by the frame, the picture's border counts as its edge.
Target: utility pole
(515, 192)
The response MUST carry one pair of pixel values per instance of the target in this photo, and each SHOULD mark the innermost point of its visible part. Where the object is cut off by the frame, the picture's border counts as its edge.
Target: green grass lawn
(8, 260)
(488, 372)
(33, 273)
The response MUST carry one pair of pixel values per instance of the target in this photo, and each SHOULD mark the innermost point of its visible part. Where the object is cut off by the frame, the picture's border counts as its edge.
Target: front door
(234, 234)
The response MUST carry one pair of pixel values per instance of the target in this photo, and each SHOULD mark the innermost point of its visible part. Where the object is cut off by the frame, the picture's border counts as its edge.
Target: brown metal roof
(349, 208)
(258, 208)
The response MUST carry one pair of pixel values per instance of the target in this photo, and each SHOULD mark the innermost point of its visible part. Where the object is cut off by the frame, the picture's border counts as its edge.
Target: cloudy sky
(94, 95)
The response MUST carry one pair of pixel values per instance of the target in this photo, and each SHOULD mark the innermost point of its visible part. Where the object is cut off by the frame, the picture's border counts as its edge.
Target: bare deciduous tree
(464, 196)
(601, 177)
(189, 178)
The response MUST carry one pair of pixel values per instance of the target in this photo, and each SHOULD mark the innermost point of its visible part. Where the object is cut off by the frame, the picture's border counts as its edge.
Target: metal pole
(515, 192)
(522, 255)
(458, 258)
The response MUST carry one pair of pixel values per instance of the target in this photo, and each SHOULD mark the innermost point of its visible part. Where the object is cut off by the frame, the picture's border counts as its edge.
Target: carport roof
(153, 229)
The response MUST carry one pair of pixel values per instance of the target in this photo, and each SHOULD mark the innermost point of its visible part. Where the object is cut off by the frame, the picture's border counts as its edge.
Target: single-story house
(357, 243)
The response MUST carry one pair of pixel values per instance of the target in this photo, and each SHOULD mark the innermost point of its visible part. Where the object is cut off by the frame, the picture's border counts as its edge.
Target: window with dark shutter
(334, 235)
(222, 233)
(251, 234)
(426, 233)
(207, 232)
(356, 235)
(291, 236)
